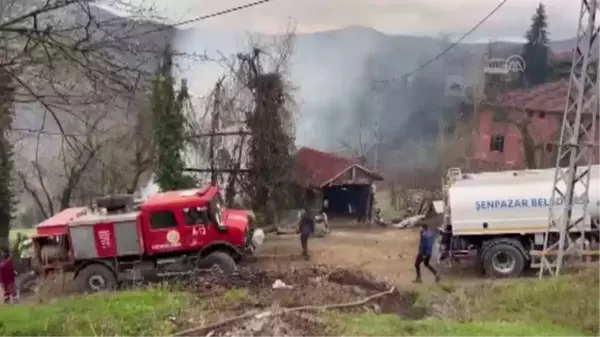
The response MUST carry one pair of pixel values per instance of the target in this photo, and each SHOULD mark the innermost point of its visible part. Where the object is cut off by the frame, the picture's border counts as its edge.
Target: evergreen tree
(169, 127)
(536, 52)
(7, 193)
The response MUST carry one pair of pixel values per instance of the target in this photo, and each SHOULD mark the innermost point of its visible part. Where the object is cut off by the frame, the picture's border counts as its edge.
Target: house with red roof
(521, 129)
(344, 186)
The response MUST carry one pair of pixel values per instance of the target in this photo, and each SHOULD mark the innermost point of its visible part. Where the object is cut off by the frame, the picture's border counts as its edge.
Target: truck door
(195, 227)
(164, 232)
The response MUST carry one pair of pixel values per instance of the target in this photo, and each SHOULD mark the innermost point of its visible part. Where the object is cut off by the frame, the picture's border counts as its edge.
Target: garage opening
(348, 200)
(345, 188)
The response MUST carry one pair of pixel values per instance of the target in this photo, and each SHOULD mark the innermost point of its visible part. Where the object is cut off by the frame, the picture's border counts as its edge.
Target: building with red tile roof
(548, 97)
(535, 113)
(317, 169)
(344, 185)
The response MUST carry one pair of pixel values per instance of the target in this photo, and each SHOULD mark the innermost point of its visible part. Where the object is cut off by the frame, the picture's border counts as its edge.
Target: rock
(279, 284)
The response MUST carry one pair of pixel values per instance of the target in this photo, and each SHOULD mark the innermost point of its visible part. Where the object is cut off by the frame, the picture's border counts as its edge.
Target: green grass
(131, 313)
(569, 301)
(391, 325)
(567, 306)
(235, 295)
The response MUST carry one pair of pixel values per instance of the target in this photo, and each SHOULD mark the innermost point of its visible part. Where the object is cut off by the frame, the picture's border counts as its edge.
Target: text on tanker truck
(521, 203)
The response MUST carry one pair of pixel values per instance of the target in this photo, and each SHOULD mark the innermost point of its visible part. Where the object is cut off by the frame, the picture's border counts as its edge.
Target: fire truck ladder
(572, 180)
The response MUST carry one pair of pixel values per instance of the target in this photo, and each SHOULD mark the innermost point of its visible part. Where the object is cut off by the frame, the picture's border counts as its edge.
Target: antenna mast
(575, 150)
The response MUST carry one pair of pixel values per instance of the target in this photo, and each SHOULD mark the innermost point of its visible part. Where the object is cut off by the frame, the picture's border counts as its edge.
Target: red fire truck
(171, 233)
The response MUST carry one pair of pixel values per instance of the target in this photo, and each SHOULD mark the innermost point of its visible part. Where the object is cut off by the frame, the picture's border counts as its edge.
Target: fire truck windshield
(216, 211)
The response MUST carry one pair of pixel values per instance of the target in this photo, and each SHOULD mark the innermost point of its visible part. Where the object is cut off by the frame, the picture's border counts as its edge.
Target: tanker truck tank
(507, 212)
(512, 203)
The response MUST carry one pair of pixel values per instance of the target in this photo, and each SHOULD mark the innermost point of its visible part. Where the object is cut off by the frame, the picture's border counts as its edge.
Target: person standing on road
(7, 276)
(426, 241)
(306, 227)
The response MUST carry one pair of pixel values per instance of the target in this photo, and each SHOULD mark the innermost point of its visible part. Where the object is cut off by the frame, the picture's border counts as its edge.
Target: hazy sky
(422, 17)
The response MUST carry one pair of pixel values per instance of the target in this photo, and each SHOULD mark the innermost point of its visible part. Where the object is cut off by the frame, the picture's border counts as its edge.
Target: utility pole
(379, 106)
(216, 136)
(214, 126)
(477, 98)
(570, 192)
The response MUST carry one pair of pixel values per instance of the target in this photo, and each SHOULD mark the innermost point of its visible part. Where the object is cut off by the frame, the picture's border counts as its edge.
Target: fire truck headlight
(258, 237)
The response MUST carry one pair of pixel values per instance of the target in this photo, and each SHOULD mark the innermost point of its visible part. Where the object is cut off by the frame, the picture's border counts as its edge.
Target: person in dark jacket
(306, 227)
(7, 276)
(426, 242)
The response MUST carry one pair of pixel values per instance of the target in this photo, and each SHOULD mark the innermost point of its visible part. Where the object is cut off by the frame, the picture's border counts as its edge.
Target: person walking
(7, 276)
(426, 241)
(306, 227)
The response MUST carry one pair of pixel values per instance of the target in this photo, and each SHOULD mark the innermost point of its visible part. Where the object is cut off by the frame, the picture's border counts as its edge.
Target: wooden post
(214, 126)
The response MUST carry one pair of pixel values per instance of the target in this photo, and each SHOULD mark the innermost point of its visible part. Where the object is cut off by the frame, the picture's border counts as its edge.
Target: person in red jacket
(7, 276)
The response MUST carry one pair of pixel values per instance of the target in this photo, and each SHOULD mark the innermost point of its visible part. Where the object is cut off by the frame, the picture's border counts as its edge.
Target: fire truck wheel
(96, 277)
(503, 258)
(221, 260)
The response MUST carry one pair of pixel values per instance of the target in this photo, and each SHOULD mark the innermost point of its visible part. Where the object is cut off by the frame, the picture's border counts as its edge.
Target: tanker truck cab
(501, 218)
(172, 233)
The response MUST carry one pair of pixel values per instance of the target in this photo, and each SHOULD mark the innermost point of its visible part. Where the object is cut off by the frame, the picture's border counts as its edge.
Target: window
(195, 216)
(549, 147)
(162, 220)
(499, 116)
(497, 143)
(529, 113)
(216, 211)
(542, 114)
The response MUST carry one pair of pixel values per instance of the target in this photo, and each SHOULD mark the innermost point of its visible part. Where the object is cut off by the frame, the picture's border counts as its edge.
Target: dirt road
(388, 254)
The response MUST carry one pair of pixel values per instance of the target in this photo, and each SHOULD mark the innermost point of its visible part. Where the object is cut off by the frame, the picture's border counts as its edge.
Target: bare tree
(219, 138)
(70, 56)
(248, 124)
(363, 144)
(55, 183)
(454, 144)
(126, 159)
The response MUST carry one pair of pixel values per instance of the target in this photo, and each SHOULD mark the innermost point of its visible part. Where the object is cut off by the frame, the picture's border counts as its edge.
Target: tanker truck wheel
(503, 258)
(94, 278)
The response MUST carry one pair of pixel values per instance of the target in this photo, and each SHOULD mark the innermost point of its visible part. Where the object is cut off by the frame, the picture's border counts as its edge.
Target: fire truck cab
(171, 233)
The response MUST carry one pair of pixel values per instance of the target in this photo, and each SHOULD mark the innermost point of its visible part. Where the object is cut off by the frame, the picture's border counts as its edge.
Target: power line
(445, 51)
(223, 12)
(200, 18)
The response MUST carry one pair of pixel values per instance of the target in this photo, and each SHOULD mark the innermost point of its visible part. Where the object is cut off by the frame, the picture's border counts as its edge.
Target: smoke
(334, 73)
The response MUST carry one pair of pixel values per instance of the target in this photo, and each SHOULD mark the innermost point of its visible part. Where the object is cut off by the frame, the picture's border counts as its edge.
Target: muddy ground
(345, 266)
(315, 289)
(388, 254)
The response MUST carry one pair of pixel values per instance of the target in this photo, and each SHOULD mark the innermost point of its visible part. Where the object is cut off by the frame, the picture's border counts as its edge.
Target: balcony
(496, 67)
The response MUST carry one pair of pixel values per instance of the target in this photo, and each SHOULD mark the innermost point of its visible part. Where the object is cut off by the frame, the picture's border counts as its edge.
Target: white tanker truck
(502, 218)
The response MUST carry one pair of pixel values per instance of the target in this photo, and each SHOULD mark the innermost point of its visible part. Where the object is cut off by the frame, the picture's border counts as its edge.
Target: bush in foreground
(568, 301)
(130, 313)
